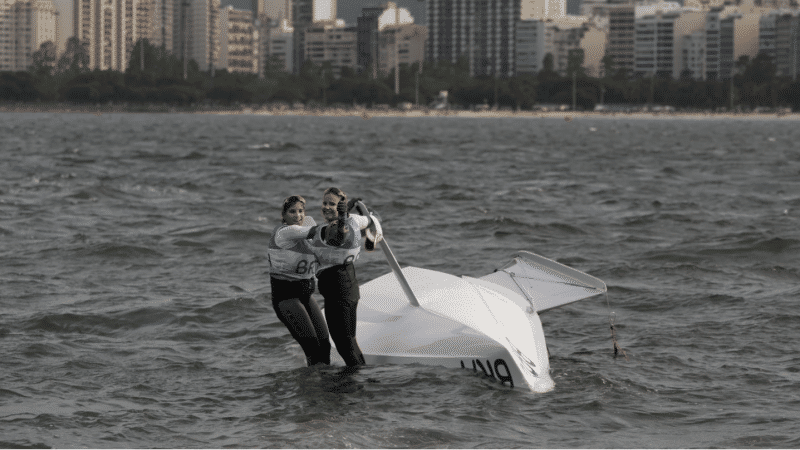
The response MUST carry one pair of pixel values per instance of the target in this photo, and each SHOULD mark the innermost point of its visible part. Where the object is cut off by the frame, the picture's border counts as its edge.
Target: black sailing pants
(302, 316)
(339, 287)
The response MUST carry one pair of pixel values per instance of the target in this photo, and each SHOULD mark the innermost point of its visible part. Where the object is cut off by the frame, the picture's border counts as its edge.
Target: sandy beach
(368, 113)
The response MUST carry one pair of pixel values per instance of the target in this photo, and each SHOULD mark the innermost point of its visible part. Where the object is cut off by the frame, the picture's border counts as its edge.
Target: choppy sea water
(135, 307)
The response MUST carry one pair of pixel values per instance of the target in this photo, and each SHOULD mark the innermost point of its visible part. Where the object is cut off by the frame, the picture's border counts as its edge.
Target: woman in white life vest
(337, 246)
(292, 268)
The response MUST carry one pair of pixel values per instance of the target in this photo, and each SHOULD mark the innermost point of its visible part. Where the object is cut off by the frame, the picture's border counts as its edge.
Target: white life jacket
(295, 263)
(329, 256)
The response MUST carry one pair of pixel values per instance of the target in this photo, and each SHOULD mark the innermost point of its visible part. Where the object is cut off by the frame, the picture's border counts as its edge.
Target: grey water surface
(134, 296)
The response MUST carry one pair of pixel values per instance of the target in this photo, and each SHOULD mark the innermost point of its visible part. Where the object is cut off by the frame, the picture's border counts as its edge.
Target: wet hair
(291, 200)
(335, 191)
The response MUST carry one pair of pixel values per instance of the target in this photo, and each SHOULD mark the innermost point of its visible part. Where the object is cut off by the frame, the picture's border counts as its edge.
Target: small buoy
(592, 129)
(772, 139)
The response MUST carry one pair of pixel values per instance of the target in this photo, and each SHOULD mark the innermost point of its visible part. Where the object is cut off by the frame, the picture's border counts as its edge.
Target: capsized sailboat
(489, 324)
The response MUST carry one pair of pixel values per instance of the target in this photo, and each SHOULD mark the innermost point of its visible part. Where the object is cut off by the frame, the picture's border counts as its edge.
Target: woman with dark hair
(337, 245)
(292, 268)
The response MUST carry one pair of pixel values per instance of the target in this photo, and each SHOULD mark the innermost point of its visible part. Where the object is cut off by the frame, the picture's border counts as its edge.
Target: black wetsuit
(339, 286)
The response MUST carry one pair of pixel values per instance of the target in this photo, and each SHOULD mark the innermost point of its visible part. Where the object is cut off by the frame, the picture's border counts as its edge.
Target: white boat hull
(460, 323)
(488, 324)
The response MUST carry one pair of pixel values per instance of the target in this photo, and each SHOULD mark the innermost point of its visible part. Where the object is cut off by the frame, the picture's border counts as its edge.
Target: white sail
(545, 283)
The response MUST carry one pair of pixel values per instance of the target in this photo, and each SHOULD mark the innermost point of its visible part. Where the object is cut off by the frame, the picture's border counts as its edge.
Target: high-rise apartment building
(401, 44)
(99, 24)
(195, 31)
(367, 33)
(559, 38)
(482, 31)
(377, 28)
(238, 38)
(7, 47)
(24, 26)
(787, 43)
(767, 34)
(330, 42)
(693, 56)
(302, 18)
(276, 38)
(565, 41)
(779, 38)
(660, 31)
(155, 22)
(621, 30)
(111, 28)
(534, 42)
(720, 43)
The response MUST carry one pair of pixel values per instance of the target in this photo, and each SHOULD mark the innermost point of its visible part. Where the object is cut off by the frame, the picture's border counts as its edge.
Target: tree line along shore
(162, 82)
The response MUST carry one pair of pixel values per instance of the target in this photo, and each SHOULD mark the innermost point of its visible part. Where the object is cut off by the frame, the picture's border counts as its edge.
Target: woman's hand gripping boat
(490, 324)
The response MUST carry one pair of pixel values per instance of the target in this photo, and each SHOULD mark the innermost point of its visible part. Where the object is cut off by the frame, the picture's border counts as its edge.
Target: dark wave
(245, 233)
(40, 350)
(99, 324)
(193, 156)
(82, 195)
(234, 305)
(446, 191)
(761, 441)
(6, 393)
(640, 220)
(194, 336)
(493, 222)
(71, 159)
(189, 186)
(23, 443)
(749, 246)
(194, 245)
(675, 256)
(561, 228)
(194, 232)
(109, 250)
(155, 157)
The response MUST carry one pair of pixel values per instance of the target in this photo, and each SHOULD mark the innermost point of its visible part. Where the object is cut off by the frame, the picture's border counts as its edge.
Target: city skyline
(480, 30)
(346, 10)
